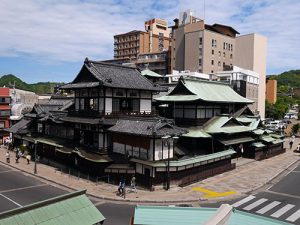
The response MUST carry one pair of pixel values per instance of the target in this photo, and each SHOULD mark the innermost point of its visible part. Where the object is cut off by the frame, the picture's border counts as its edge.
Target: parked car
(290, 116)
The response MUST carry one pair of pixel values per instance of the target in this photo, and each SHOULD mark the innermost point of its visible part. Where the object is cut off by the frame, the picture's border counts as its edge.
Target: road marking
(268, 207)
(11, 200)
(5, 171)
(243, 201)
(294, 216)
(255, 204)
(24, 188)
(283, 194)
(283, 210)
(213, 194)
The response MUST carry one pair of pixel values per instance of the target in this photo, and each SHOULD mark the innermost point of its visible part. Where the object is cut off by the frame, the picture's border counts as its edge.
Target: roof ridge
(88, 61)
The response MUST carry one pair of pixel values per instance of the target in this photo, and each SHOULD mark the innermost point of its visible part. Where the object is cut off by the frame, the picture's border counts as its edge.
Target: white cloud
(69, 30)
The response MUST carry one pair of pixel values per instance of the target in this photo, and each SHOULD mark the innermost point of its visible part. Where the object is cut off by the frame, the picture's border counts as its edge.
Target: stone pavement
(248, 176)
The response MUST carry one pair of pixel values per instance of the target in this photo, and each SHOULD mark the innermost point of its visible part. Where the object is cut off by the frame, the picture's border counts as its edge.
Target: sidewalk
(248, 176)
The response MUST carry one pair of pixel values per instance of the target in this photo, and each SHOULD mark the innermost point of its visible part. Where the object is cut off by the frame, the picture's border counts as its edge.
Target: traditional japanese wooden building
(111, 127)
(194, 101)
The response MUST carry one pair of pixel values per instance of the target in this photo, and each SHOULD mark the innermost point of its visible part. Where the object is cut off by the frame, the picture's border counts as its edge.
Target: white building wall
(108, 105)
(145, 105)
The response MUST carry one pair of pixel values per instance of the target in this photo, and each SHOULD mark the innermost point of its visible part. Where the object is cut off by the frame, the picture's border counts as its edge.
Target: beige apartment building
(154, 39)
(199, 47)
(251, 54)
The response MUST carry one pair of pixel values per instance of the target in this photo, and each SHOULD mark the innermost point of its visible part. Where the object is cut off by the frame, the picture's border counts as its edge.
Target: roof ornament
(87, 61)
(109, 80)
(181, 79)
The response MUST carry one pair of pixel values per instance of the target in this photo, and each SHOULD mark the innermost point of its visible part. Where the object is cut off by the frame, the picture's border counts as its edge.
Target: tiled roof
(141, 127)
(116, 76)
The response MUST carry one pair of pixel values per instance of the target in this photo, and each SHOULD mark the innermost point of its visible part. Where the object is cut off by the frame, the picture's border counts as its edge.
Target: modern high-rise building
(154, 39)
(251, 54)
(199, 47)
(244, 82)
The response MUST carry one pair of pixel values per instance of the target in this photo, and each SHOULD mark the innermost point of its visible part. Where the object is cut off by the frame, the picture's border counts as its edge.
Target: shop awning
(93, 157)
(236, 141)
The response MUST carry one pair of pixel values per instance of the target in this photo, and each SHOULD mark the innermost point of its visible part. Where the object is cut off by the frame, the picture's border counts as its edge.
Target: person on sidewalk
(121, 187)
(7, 157)
(132, 184)
(28, 158)
(291, 141)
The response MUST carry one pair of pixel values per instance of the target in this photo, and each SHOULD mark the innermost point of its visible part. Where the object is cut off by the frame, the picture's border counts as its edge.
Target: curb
(101, 197)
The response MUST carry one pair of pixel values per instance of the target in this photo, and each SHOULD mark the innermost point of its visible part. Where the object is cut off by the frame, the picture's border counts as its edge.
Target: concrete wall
(251, 53)
(191, 54)
(219, 55)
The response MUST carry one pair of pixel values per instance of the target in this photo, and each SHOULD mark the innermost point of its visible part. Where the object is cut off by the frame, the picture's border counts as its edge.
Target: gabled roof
(225, 124)
(150, 73)
(94, 73)
(147, 127)
(209, 91)
(72, 208)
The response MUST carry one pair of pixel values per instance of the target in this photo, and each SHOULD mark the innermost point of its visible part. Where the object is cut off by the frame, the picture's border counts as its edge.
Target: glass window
(116, 105)
(135, 105)
(190, 113)
(82, 104)
(209, 113)
(200, 113)
(179, 113)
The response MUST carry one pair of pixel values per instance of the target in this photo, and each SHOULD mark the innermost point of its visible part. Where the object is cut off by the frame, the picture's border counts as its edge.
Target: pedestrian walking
(291, 141)
(7, 157)
(18, 155)
(121, 188)
(28, 158)
(132, 184)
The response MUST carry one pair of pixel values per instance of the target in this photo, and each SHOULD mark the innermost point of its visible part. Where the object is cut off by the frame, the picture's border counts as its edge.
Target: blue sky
(48, 40)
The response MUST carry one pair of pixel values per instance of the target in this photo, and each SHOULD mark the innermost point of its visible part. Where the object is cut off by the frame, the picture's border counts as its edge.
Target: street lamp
(168, 140)
(35, 155)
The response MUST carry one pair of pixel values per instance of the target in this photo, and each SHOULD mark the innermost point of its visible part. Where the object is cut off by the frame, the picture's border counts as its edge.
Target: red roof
(4, 107)
(4, 92)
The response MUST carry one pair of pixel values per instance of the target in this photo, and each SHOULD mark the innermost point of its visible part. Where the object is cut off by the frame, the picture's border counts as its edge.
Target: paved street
(19, 186)
(279, 201)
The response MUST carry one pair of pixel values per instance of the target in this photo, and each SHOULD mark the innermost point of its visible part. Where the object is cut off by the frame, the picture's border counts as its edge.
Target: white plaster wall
(108, 105)
(100, 140)
(145, 105)
(161, 151)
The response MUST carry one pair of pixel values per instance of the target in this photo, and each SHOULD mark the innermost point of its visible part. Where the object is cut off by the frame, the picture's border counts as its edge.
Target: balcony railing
(97, 114)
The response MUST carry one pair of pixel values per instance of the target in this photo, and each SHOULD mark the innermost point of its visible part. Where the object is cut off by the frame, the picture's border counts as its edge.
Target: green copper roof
(258, 145)
(225, 124)
(72, 208)
(196, 132)
(208, 91)
(189, 161)
(164, 215)
(150, 73)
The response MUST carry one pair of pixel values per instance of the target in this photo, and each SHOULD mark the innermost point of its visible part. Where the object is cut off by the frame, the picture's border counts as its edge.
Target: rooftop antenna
(204, 10)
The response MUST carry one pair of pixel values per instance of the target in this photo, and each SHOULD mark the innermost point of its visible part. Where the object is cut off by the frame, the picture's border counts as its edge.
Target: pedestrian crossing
(270, 208)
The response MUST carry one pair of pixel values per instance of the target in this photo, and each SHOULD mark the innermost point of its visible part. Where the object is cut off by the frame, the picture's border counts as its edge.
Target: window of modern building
(212, 62)
(231, 56)
(200, 41)
(223, 45)
(219, 53)
(200, 51)
(219, 63)
(212, 71)
(200, 62)
(212, 52)
(224, 54)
